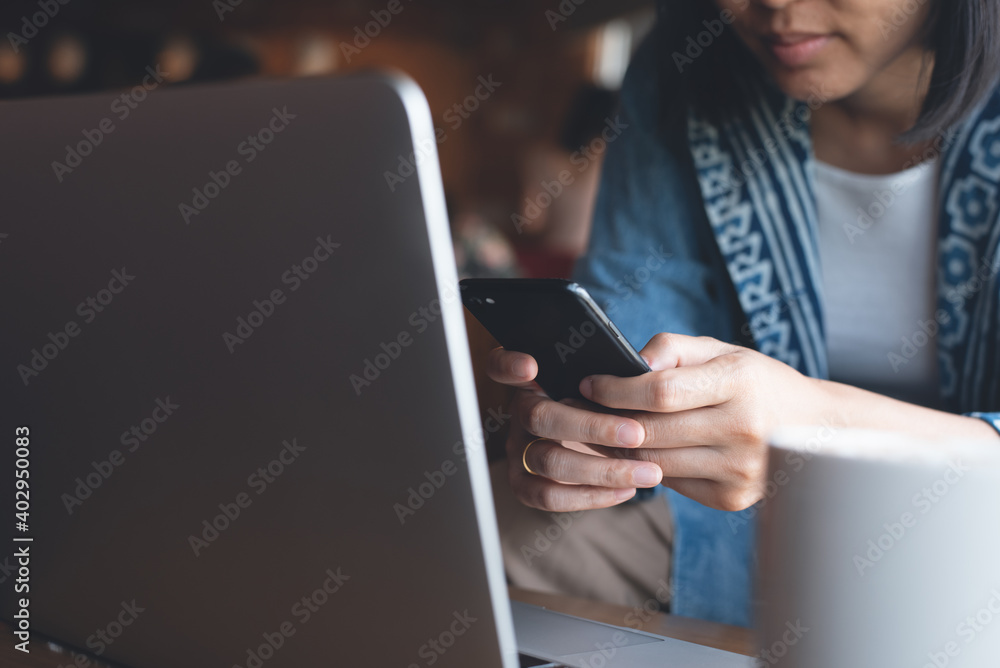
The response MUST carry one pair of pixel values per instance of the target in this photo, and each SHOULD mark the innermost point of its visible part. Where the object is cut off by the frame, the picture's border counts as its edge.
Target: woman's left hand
(707, 409)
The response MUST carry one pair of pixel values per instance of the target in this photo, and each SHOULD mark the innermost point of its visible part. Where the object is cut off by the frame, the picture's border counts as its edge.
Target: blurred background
(520, 91)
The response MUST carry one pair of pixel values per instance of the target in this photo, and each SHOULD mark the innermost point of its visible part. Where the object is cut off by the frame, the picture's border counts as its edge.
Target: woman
(825, 176)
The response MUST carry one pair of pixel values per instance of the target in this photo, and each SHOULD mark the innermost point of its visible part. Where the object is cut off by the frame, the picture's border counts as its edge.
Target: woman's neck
(860, 133)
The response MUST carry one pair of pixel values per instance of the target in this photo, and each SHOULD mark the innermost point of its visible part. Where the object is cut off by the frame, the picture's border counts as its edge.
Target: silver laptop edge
(438, 230)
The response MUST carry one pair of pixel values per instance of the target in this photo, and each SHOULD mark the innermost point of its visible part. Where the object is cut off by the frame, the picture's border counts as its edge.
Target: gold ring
(524, 455)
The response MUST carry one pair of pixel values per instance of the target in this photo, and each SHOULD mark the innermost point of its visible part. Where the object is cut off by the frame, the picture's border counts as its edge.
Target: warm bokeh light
(315, 54)
(12, 64)
(178, 58)
(67, 59)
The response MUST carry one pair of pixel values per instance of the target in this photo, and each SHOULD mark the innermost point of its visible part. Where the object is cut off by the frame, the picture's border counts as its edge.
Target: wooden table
(720, 636)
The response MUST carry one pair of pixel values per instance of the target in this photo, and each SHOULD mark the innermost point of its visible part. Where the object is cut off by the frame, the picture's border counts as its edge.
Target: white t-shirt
(878, 244)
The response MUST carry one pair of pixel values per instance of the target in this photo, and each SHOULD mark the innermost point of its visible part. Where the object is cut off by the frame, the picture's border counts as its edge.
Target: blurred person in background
(560, 185)
(823, 177)
(481, 251)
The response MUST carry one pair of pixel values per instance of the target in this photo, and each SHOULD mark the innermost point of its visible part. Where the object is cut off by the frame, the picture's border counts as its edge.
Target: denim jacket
(685, 241)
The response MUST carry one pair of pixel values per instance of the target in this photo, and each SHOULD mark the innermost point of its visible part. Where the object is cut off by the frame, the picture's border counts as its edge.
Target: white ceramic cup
(879, 550)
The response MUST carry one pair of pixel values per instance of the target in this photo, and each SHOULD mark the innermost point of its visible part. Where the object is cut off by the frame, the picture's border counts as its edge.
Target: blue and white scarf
(757, 177)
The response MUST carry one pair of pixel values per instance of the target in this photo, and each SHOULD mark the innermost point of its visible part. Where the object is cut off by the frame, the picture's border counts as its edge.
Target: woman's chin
(813, 85)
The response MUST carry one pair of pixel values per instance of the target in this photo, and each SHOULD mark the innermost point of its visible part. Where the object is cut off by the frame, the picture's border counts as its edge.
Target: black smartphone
(556, 322)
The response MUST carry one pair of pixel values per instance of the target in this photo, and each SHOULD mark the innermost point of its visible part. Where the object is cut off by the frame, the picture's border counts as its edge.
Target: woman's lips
(795, 49)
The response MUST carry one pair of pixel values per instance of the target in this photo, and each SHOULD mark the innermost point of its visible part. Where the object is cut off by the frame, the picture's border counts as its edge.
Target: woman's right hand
(565, 474)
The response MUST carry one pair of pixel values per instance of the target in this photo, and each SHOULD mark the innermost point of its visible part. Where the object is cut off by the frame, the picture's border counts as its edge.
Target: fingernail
(654, 364)
(521, 369)
(646, 476)
(587, 387)
(630, 434)
(624, 494)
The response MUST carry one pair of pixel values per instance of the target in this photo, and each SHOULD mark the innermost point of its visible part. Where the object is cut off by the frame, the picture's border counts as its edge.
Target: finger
(710, 425)
(511, 368)
(556, 497)
(700, 461)
(517, 441)
(668, 351)
(545, 418)
(545, 494)
(715, 495)
(670, 391)
(702, 491)
(551, 460)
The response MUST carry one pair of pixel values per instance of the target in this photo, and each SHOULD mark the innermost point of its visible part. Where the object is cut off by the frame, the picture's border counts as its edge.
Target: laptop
(235, 352)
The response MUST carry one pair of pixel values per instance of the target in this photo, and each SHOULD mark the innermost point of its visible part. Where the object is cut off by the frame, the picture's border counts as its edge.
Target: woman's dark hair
(587, 116)
(964, 36)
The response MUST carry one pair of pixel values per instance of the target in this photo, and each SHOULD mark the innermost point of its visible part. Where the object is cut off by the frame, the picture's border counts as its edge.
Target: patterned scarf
(757, 177)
